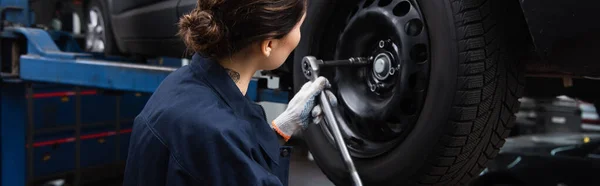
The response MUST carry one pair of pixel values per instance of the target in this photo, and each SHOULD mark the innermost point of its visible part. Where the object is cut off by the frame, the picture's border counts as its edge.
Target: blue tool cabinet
(54, 115)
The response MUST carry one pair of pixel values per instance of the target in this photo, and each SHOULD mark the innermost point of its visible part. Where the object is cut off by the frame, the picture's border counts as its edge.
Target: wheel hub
(381, 103)
(384, 67)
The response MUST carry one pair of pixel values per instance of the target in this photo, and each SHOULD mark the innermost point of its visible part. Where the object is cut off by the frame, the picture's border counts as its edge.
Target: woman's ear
(266, 47)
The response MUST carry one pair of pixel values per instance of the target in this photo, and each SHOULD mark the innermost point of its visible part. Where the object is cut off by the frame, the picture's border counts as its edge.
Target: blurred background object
(556, 141)
(555, 115)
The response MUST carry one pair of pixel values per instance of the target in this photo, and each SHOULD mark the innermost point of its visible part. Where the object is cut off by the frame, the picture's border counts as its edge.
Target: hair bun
(219, 28)
(200, 30)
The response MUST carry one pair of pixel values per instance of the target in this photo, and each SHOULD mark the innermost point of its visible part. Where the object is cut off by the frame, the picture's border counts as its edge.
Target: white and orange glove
(302, 108)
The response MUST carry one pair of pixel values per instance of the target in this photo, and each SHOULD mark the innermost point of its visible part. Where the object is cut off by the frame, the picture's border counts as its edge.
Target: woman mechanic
(198, 128)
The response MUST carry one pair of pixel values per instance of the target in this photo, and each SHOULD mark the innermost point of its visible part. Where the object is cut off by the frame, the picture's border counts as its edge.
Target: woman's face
(280, 49)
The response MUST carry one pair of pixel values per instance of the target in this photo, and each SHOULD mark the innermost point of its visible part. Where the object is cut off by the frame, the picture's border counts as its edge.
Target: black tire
(472, 96)
(110, 45)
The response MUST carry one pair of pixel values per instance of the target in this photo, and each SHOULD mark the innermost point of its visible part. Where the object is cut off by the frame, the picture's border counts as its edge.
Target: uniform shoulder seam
(157, 136)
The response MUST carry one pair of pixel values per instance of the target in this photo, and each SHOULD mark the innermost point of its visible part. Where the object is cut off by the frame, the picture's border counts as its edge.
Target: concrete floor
(303, 172)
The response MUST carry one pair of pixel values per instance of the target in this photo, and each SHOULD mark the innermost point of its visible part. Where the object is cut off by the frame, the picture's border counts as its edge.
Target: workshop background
(78, 135)
(58, 110)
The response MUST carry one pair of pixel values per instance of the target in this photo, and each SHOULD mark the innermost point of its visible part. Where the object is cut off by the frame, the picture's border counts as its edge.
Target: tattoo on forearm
(235, 76)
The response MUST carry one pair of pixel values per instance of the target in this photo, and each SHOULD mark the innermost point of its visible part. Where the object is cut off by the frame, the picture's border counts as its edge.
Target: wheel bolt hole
(383, 3)
(418, 53)
(402, 8)
(414, 27)
(368, 3)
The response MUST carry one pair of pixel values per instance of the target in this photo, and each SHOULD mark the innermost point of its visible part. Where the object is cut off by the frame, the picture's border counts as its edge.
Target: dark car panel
(562, 32)
(185, 6)
(553, 24)
(148, 30)
(565, 32)
(118, 6)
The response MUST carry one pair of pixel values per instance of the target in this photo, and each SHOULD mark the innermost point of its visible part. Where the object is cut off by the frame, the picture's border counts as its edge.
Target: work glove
(317, 111)
(300, 109)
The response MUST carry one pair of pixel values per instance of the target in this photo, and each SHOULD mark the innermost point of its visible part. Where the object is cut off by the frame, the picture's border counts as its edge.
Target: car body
(561, 41)
(146, 27)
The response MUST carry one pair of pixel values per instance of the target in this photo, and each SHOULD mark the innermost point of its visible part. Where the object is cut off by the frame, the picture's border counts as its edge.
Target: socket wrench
(310, 67)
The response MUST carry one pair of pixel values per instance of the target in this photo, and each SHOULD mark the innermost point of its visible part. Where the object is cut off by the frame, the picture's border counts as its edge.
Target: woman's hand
(317, 111)
(300, 109)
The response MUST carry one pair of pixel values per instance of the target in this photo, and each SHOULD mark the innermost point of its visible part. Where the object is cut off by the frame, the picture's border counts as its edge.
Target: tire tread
(488, 88)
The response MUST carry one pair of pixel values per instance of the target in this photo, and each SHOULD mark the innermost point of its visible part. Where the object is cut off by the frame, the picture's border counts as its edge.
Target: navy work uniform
(199, 129)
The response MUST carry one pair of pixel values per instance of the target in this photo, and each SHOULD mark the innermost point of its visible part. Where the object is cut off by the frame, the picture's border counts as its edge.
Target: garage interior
(69, 94)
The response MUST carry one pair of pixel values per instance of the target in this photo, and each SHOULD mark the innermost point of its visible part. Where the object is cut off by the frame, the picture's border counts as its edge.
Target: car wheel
(438, 101)
(99, 37)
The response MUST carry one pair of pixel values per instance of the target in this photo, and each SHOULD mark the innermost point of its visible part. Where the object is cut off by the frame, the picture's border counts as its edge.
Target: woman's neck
(240, 70)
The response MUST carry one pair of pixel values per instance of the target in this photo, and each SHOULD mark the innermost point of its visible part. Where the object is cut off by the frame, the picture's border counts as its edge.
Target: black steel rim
(391, 92)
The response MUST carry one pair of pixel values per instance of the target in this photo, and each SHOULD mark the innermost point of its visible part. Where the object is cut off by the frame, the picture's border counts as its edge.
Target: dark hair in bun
(219, 28)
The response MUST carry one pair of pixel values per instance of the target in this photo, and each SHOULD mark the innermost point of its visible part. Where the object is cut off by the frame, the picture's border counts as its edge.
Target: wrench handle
(333, 125)
(353, 61)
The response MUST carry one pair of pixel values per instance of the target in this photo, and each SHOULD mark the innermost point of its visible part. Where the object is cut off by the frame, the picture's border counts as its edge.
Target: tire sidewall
(406, 160)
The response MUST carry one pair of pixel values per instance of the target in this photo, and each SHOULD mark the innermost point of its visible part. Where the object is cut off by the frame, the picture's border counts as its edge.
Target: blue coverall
(199, 129)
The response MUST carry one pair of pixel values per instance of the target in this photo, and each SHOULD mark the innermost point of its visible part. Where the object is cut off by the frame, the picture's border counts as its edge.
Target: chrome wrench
(310, 67)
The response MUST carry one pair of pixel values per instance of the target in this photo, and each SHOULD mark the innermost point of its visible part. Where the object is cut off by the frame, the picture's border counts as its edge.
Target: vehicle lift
(31, 55)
